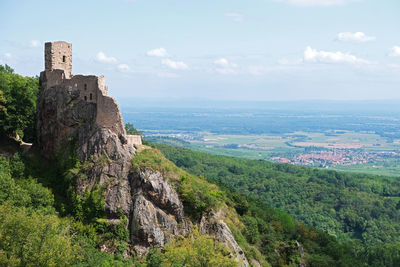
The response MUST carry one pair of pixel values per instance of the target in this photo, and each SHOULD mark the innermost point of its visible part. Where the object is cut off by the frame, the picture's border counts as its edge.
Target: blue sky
(216, 49)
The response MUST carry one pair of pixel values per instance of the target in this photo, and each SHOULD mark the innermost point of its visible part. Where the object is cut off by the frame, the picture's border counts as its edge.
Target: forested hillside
(58, 228)
(353, 207)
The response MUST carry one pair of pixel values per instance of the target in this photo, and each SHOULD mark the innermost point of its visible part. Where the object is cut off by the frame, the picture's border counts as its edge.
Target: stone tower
(58, 56)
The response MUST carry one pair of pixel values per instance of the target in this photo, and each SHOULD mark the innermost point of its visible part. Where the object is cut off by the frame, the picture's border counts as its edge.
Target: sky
(253, 50)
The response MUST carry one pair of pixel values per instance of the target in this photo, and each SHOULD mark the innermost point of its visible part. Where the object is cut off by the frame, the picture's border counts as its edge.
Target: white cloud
(223, 62)
(176, 65)
(355, 37)
(225, 67)
(394, 51)
(8, 55)
(124, 67)
(238, 17)
(317, 2)
(158, 52)
(313, 55)
(101, 57)
(35, 43)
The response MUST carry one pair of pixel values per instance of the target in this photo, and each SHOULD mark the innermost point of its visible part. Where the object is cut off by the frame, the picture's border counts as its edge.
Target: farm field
(391, 167)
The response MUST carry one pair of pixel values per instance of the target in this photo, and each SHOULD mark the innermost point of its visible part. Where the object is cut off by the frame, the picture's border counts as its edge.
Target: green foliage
(17, 103)
(382, 255)
(28, 213)
(154, 258)
(130, 129)
(34, 240)
(17, 167)
(3, 109)
(251, 230)
(153, 159)
(90, 206)
(196, 250)
(22, 192)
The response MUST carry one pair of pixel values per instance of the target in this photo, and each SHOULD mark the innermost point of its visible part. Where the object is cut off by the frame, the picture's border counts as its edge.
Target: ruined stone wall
(102, 85)
(108, 114)
(90, 89)
(51, 78)
(58, 56)
(88, 86)
(134, 139)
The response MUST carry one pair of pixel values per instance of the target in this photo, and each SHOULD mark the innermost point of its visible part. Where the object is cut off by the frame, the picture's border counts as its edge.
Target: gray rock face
(109, 167)
(156, 188)
(213, 224)
(158, 212)
(61, 114)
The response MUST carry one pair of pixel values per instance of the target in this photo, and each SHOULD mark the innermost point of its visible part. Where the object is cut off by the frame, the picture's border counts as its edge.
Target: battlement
(58, 56)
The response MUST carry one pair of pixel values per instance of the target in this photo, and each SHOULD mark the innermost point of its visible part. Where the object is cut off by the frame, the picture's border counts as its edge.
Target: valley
(349, 140)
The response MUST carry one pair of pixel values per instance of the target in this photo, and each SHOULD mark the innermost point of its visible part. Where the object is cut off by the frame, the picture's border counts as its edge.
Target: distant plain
(359, 132)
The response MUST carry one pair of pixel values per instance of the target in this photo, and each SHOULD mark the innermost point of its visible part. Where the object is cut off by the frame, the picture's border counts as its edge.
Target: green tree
(17, 103)
(34, 240)
(130, 129)
(251, 230)
(197, 251)
(3, 109)
(154, 257)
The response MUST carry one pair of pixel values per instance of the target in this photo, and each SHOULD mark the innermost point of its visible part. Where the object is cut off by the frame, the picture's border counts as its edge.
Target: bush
(197, 250)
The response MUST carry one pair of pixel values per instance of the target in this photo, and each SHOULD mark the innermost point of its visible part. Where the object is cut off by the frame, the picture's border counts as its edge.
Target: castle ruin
(89, 88)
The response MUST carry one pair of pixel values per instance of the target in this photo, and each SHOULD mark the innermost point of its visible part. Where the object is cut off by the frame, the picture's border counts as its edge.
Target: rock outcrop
(157, 211)
(214, 224)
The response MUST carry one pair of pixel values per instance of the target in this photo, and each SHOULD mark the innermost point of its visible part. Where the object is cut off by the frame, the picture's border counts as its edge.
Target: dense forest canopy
(348, 205)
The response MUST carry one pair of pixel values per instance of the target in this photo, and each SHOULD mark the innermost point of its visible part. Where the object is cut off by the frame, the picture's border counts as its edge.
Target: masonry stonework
(91, 89)
(58, 56)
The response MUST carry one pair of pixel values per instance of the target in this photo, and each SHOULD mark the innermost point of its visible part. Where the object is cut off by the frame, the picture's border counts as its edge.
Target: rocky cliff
(67, 124)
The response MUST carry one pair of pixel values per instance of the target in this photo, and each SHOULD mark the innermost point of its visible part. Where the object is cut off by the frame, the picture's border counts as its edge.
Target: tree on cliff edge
(17, 104)
(130, 129)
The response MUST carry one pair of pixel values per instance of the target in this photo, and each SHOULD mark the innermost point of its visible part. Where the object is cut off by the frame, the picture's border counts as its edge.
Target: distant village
(325, 159)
